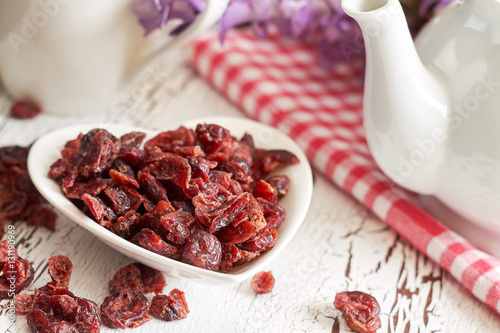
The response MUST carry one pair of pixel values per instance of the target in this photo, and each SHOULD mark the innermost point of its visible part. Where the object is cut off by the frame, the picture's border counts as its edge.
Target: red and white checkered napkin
(277, 81)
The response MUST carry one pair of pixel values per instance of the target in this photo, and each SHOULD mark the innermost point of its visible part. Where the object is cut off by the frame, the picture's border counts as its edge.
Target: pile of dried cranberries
(199, 196)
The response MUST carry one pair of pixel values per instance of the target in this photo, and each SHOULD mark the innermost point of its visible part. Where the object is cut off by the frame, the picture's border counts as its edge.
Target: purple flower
(154, 14)
(322, 22)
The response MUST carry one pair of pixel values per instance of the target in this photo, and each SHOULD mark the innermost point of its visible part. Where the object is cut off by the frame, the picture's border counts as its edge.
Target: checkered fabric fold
(278, 81)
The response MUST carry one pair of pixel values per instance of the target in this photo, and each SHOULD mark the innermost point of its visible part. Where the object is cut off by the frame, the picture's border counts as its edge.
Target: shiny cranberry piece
(262, 282)
(128, 308)
(41, 322)
(169, 307)
(360, 310)
(98, 149)
(60, 268)
(17, 272)
(25, 110)
(81, 313)
(202, 250)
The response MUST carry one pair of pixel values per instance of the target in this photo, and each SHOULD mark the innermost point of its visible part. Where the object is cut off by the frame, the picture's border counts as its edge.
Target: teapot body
(463, 45)
(68, 56)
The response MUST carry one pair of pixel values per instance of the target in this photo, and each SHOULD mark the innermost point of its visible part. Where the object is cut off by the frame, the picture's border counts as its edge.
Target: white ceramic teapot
(76, 56)
(432, 109)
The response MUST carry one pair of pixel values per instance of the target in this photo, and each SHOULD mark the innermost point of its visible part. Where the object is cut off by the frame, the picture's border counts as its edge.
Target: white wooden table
(341, 246)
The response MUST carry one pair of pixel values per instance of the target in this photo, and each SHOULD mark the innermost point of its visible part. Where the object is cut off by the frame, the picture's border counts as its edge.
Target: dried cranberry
(151, 241)
(152, 187)
(264, 190)
(262, 242)
(360, 310)
(169, 307)
(44, 294)
(60, 268)
(173, 168)
(126, 277)
(128, 308)
(214, 138)
(81, 313)
(24, 303)
(18, 272)
(152, 279)
(262, 282)
(41, 322)
(98, 149)
(25, 110)
(102, 212)
(42, 216)
(202, 250)
(268, 160)
(126, 225)
(281, 185)
(171, 140)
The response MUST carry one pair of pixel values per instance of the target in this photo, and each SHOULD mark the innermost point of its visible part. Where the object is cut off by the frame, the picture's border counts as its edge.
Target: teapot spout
(405, 104)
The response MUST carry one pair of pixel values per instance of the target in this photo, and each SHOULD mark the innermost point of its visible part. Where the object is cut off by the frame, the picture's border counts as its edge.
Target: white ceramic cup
(76, 56)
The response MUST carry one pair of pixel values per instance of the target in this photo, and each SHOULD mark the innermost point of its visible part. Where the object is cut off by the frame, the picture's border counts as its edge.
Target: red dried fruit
(25, 110)
(78, 189)
(173, 168)
(81, 313)
(41, 322)
(24, 303)
(268, 160)
(125, 226)
(274, 214)
(281, 185)
(171, 140)
(98, 149)
(233, 256)
(152, 188)
(17, 272)
(360, 310)
(43, 295)
(118, 200)
(264, 190)
(202, 250)
(60, 268)
(262, 282)
(102, 212)
(214, 138)
(42, 216)
(262, 242)
(151, 241)
(177, 225)
(128, 308)
(129, 148)
(152, 279)
(7, 250)
(169, 307)
(126, 277)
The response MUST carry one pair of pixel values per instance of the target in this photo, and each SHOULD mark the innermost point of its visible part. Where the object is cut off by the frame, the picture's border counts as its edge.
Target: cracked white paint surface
(341, 246)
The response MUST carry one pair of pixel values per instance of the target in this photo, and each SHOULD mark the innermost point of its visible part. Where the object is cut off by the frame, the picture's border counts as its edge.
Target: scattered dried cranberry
(53, 308)
(14, 271)
(183, 196)
(128, 308)
(25, 110)
(24, 303)
(19, 199)
(169, 307)
(262, 282)
(60, 268)
(360, 310)
(41, 322)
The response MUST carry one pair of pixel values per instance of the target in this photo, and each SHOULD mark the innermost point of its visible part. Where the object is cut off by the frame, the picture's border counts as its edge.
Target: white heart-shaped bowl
(47, 150)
